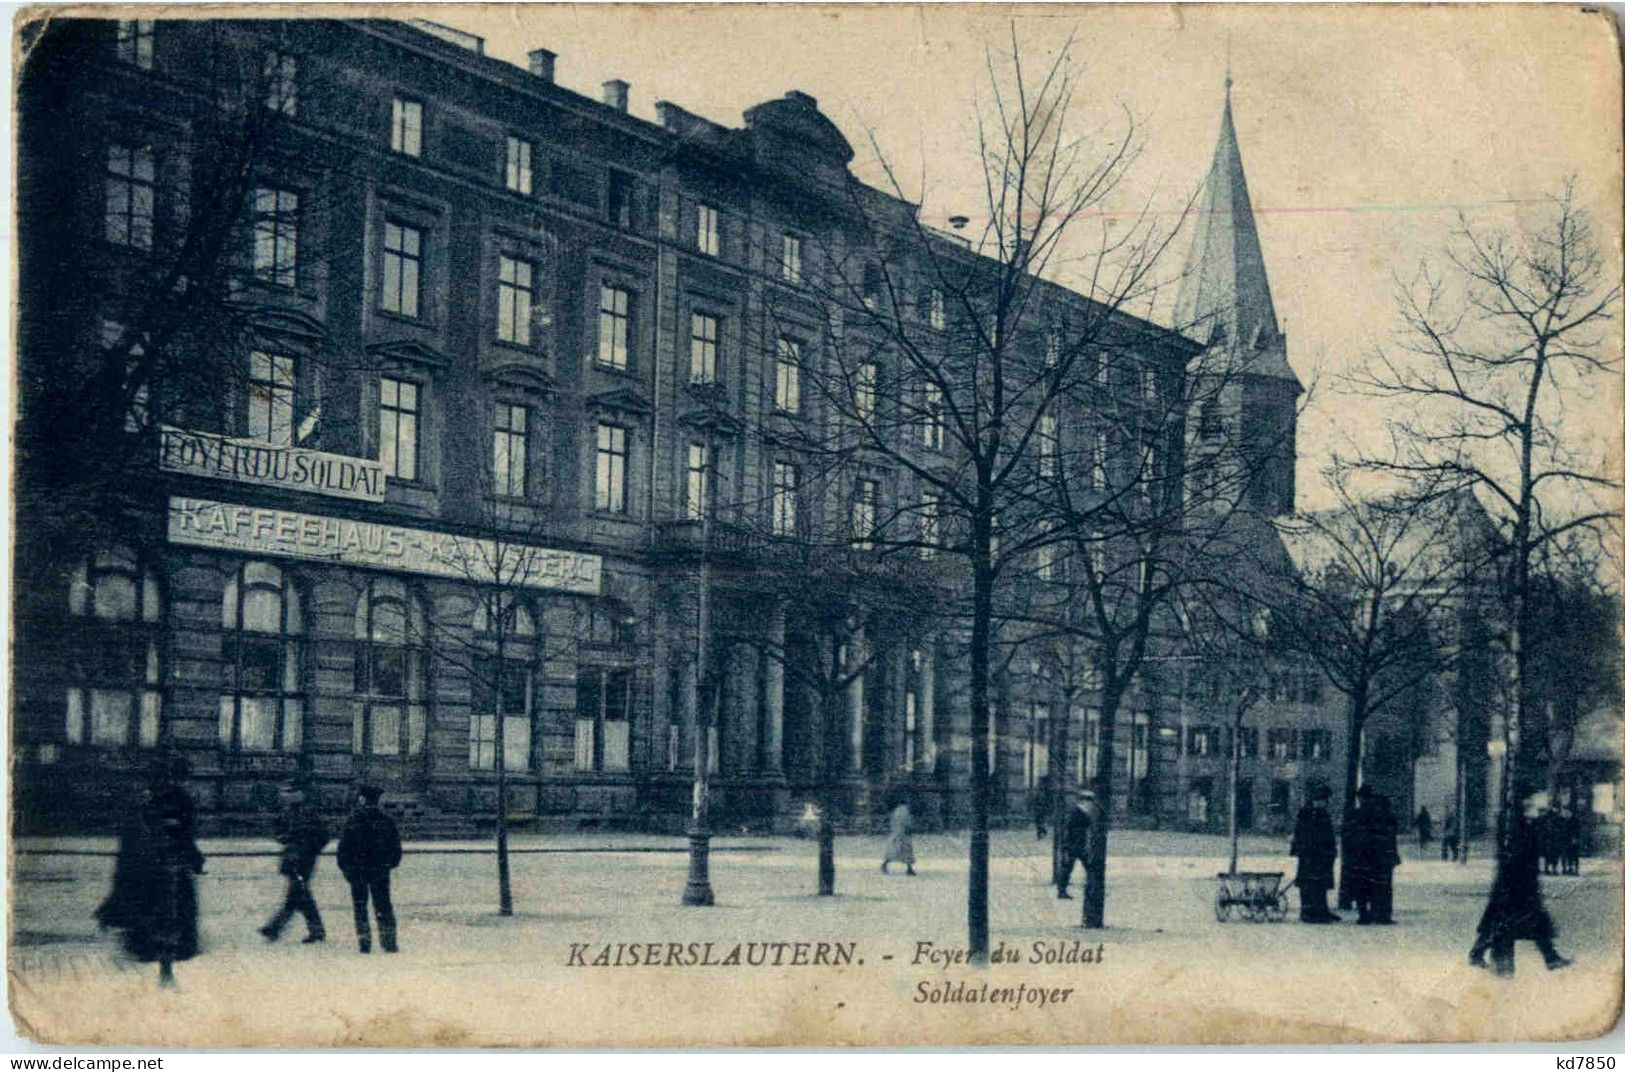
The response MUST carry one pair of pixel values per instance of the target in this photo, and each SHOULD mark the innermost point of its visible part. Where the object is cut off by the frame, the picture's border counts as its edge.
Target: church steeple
(1224, 296)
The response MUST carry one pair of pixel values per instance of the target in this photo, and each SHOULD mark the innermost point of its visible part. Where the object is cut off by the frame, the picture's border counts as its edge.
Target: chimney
(616, 93)
(542, 61)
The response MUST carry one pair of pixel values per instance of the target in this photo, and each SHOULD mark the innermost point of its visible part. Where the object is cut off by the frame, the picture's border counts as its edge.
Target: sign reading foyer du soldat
(259, 530)
(252, 461)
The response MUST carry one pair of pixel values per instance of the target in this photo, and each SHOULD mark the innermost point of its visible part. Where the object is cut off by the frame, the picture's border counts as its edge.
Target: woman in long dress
(154, 896)
(900, 846)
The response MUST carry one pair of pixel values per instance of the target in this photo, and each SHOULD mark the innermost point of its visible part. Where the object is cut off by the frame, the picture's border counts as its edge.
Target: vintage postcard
(815, 525)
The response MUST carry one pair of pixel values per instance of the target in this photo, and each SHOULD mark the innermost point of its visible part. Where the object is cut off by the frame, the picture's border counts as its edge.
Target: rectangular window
(934, 423)
(1035, 763)
(398, 428)
(930, 523)
(603, 719)
(865, 507)
(510, 700)
(697, 487)
(1148, 387)
(281, 72)
(1052, 350)
(276, 236)
(1049, 445)
(610, 487)
(939, 310)
(620, 198)
(785, 490)
(509, 440)
(1201, 741)
(406, 127)
(403, 267)
(1283, 744)
(1317, 744)
(708, 230)
(790, 259)
(1097, 463)
(514, 296)
(864, 391)
(702, 348)
(270, 398)
(130, 195)
(1103, 370)
(614, 327)
(787, 379)
(517, 175)
(1048, 553)
(135, 42)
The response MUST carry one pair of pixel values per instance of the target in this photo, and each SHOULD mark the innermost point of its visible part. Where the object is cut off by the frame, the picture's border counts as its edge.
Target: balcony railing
(738, 546)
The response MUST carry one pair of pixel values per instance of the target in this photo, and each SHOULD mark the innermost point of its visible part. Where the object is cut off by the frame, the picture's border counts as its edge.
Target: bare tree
(509, 640)
(216, 236)
(1368, 592)
(1494, 351)
(942, 358)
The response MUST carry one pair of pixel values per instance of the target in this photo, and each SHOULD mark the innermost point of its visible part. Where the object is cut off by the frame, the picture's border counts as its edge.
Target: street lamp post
(698, 889)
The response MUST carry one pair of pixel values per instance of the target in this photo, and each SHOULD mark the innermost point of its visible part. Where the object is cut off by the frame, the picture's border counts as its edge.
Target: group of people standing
(1514, 912)
(1370, 854)
(153, 901)
(1560, 833)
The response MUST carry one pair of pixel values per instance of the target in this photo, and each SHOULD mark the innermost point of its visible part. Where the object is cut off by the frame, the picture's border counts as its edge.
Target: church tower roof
(1224, 296)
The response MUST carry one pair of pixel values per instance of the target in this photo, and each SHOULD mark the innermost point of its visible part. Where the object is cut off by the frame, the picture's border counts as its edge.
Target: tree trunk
(1351, 778)
(500, 744)
(1235, 778)
(1061, 732)
(1094, 878)
(980, 649)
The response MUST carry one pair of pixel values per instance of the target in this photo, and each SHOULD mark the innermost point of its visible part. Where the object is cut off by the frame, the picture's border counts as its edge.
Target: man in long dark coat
(1515, 910)
(1314, 843)
(369, 849)
(303, 835)
(154, 897)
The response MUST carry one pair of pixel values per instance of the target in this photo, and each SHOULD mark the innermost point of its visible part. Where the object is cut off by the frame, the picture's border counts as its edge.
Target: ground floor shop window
(503, 685)
(115, 696)
(391, 665)
(603, 719)
(263, 706)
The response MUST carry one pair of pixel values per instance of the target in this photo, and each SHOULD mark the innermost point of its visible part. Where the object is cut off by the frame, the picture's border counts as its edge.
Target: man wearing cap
(1370, 854)
(369, 849)
(1314, 843)
(303, 835)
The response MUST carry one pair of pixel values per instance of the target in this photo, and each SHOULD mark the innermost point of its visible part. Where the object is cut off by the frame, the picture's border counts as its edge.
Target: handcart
(1256, 896)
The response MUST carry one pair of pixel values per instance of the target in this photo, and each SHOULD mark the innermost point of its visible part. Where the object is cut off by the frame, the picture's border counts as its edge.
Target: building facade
(491, 363)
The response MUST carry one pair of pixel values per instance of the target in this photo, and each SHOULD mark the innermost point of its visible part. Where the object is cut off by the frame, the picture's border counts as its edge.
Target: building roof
(1224, 296)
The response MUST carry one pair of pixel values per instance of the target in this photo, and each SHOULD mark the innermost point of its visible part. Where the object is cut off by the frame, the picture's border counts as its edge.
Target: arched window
(116, 696)
(391, 670)
(508, 644)
(263, 706)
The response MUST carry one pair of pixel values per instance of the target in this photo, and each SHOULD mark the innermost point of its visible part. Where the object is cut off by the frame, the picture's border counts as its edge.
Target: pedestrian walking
(1075, 840)
(303, 835)
(1515, 910)
(153, 900)
(1314, 843)
(369, 849)
(1424, 829)
(900, 846)
(1450, 838)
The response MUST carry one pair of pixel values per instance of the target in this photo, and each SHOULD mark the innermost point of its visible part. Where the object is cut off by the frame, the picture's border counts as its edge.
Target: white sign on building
(258, 530)
(253, 461)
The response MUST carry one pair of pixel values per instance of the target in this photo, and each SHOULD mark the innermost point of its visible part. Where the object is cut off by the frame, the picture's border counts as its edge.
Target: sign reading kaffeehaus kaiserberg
(263, 531)
(252, 461)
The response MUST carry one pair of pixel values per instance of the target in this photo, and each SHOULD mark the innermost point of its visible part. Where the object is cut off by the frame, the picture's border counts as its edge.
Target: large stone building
(478, 320)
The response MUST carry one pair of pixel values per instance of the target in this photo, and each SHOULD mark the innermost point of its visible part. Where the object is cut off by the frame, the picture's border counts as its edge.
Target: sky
(1367, 133)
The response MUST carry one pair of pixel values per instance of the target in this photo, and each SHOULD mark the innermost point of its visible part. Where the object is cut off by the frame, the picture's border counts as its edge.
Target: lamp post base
(698, 889)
